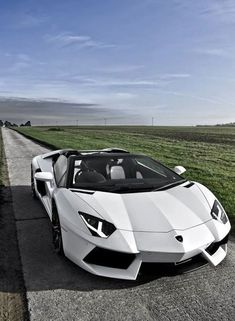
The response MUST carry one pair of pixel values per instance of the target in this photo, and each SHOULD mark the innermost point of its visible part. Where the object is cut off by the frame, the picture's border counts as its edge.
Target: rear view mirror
(44, 176)
(179, 170)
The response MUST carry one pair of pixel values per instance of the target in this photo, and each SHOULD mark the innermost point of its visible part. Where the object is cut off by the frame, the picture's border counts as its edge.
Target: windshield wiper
(162, 188)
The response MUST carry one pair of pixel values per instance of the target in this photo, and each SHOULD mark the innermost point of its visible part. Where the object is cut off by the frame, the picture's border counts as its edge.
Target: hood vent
(190, 184)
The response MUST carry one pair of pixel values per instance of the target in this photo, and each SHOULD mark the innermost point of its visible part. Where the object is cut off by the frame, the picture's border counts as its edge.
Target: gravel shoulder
(59, 290)
(13, 303)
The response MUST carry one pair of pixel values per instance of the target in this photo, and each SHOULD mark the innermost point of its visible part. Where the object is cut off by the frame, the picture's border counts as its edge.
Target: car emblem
(179, 238)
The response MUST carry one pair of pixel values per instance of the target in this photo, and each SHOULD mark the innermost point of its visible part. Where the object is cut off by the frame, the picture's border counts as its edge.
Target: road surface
(59, 290)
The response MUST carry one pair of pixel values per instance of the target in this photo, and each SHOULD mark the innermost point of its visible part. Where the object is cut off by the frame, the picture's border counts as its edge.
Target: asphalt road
(59, 290)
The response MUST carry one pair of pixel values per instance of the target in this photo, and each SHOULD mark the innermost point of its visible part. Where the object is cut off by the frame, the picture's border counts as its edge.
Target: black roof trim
(69, 152)
(105, 150)
(57, 153)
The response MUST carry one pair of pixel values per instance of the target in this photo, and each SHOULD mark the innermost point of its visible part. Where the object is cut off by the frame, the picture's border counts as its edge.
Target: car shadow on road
(13, 302)
(43, 269)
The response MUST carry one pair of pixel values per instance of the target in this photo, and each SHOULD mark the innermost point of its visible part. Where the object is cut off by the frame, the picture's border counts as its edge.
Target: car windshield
(125, 173)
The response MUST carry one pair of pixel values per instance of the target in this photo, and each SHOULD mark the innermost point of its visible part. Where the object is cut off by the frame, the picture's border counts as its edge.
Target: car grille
(170, 269)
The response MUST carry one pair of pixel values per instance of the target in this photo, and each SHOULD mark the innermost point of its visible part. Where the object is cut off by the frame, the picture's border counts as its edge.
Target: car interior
(96, 169)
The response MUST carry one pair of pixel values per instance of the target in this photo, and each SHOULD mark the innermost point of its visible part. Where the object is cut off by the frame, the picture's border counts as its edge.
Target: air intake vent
(113, 259)
(211, 249)
(190, 184)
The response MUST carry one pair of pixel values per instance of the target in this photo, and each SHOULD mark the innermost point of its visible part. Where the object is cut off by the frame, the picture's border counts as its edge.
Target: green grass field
(208, 153)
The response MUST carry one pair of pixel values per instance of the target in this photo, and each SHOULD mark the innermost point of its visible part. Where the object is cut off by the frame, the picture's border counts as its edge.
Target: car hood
(177, 208)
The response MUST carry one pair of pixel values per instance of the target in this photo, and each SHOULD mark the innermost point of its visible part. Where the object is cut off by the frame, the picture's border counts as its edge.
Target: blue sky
(130, 59)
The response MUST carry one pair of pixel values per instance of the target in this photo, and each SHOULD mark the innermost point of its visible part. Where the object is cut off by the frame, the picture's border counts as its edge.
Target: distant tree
(21, 125)
(232, 124)
(1, 123)
(7, 124)
(14, 125)
(28, 123)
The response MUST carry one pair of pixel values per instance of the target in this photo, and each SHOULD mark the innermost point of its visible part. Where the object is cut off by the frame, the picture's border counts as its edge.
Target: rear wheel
(56, 233)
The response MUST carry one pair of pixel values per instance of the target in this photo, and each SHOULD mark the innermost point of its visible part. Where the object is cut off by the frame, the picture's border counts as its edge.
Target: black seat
(89, 177)
(98, 165)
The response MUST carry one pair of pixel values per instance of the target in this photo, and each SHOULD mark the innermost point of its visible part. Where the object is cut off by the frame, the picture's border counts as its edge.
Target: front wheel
(56, 234)
(34, 195)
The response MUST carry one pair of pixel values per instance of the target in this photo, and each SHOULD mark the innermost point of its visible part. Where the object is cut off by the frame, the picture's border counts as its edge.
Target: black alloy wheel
(34, 195)
(56, 234)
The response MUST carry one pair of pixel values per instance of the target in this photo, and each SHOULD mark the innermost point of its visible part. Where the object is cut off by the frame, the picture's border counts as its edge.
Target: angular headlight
(218, 213)
(97, 226)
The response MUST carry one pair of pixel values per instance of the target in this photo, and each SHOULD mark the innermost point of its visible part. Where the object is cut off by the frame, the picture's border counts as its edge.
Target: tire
(34, 195)
(56, 233)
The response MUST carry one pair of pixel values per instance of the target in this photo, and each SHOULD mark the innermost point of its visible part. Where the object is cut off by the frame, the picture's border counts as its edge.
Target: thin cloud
(21, 61)
(67, 39)
(19, 66)
(30, 20)
(120, 69)
(217, 10)
(19, 56)
(125, 95)
(100, 82)
(222, 79)
(219, 52)
(25, 100)
(82, 41)
(200, 98)
(23, 57)
(50, 112)
(175, 76)
(158, 81)
(223, 10)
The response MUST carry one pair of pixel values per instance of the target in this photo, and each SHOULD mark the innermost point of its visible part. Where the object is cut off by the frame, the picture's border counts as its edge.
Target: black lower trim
(213, 247)
(168, 269)
(108, 258)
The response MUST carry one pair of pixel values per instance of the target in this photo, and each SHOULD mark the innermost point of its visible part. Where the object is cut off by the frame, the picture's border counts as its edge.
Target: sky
(126, 61)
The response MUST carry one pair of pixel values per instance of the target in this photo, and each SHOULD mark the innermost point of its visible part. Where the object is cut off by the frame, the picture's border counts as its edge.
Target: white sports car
(111, 211)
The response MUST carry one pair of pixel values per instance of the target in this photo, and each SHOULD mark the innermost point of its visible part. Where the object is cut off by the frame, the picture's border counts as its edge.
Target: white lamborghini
(111, 211)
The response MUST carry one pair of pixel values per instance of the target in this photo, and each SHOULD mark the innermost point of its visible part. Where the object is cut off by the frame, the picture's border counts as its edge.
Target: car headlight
(218, 212)
(97, 226)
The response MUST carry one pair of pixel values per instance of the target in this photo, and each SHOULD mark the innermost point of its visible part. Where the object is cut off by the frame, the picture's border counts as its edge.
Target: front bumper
(202, 241)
